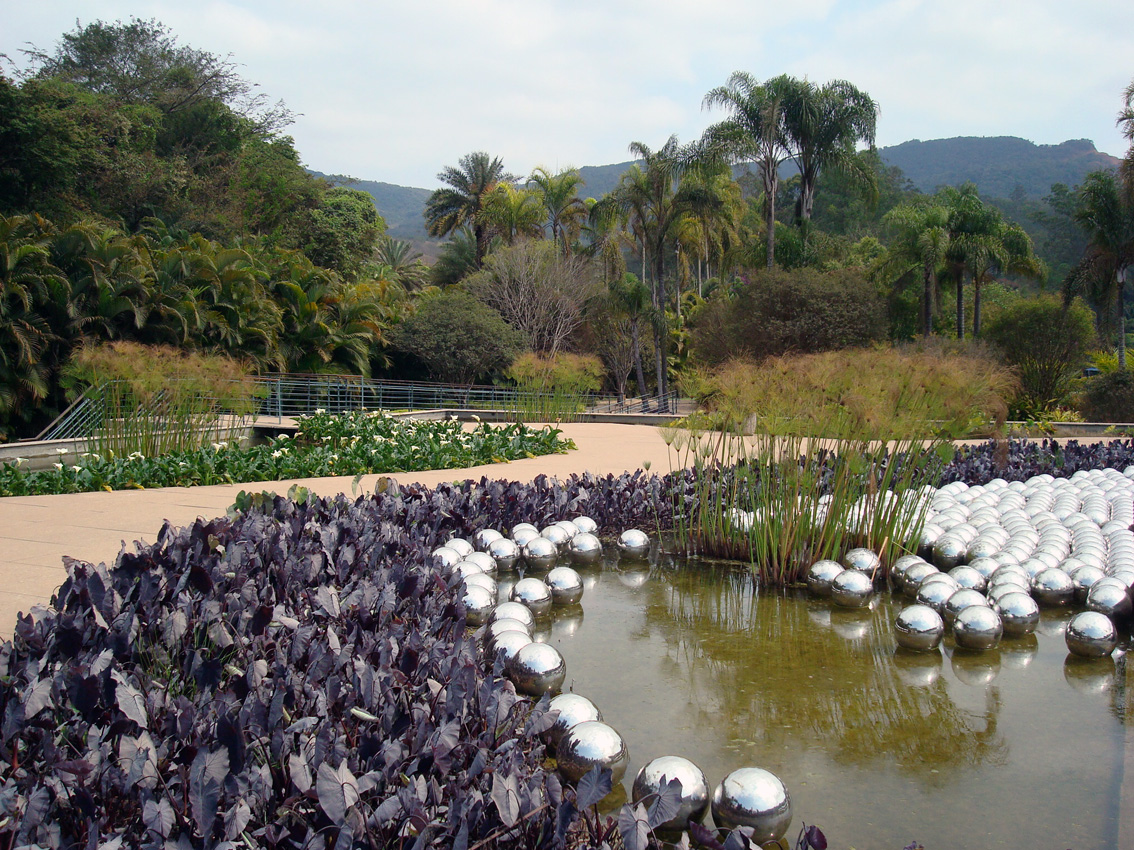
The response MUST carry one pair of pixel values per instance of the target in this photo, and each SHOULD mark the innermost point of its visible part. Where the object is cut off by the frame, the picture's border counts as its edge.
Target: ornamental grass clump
(803, 457)
(555, 388)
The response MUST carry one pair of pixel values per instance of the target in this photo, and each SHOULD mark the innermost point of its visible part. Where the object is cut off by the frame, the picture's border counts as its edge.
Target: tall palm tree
(824, 124)
(513, 213)
(1107, 216)
(756, 131)
(605, 236)
(631, 299)
(564, 209)
(920, 243)
(1126, 122)
(462, 203)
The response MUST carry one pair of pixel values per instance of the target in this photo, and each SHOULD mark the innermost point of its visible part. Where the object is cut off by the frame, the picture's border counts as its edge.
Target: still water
(1018, 747)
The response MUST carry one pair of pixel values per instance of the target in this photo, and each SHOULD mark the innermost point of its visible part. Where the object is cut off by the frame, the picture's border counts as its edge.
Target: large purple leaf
(338, 791)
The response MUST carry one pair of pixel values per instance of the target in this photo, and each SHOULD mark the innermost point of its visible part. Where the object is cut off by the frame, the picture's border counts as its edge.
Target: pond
(1017, 747)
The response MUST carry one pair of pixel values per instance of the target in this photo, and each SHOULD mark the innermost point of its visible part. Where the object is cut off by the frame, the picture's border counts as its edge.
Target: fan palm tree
(824, 124)
(463, 202)
(563, 208)
(1107, 215)
(756, 131)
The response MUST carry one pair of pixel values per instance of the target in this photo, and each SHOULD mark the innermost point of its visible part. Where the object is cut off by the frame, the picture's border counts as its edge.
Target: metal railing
(282, 396)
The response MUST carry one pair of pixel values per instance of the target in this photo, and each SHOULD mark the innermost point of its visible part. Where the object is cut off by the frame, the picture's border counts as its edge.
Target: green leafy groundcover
(355, 443)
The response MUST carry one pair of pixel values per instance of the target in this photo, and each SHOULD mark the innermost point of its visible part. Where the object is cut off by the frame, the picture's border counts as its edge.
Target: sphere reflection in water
(1090, 676)
(977, 627)
(694, 788)
(754, 797)
(851, 623)
(919, 628)
(917, 669)
(589, 744)
(821, 574)
(1017, 653)
(566, 620)
(976, 668)
(1091, 635)
(633, 543)
(573, 709)
(852, 589)
(537, 669)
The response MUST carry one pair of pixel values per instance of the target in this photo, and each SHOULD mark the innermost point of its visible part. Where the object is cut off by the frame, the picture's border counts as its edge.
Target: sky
(396, 91)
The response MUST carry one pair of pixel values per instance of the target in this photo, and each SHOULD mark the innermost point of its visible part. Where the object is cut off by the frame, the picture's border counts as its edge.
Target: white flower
(58, 466)
(319, 410)
(218, 446)
(76, 469)
(20, 461)
(279, 453)
(61, 450)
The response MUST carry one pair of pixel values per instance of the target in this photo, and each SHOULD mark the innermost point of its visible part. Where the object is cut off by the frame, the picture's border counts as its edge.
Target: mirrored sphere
(533, 593)
(968, 577)
(585, 524)
(930, 533)
(444, 558)
(566, 586)
(962, 599)
(573, 709)
(505, 553)
(1083, 578)
(556, 534)
(588, 744)
(486, 561)
(540, 553)
(1091, 635)
(820, 574)
(985, 566)
(1053, 587)
(863, 560)
(465, 568)
(483, 538)
(935, 594)
(505, 646)
(463, 547)
(478, 604)
(514, 611)
(915, 575)
(852, 589)
(1019, 613)
(949, 551)
(522, 536)
(977, 627)
(568, 527)
(899, 567)
(754, 797)
(505, 624)
(919, 627)
(694, 788)
(585, 548)
(1108, 599)
(633, 543)
(537, 669)
(482, 580)
(523, 526)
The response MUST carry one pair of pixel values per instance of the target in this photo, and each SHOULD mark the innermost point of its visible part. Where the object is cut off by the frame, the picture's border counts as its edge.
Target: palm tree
(824, 124)
(401, 262)
(564, 209)
(1126, 122)
(605, 236)
(631, 299)
(756, 132)
(1107, 215)
(462, 204)
(513, 213)
(920, 243)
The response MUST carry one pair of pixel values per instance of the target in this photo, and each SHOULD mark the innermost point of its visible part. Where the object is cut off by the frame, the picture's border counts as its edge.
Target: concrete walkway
(36, 532)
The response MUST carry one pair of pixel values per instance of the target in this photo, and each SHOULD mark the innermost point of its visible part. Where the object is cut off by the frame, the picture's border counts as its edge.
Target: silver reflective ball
(537, 669)
(540, 553)
(505, 553)
(915, 575)
(1053, 587)
(949, 551)
(930, 534)
(486, 561)
(985, 566)
(821, 574)
(566, 586)
(1019, 613)
(444, 558)
(524, 527)
(466, 568)
(1083, 578)
(633, 543)
(505, 646)
(461, 545)
(569, 527)
(694, 788)
(585, 548)
(478, 604)
(590, 744)
(585, 524)
(482, 580)
(1108, 599)
(483, 538)
(556, 534)
(968, 577)
(505, 624)
(919, 627)
(899, 567)
(522, 536)
(533, 593)
(514, 611)
(852, 589)
(1091, 635)
(573, 709)
(977, 627)
(934, 594)
(754, 797)
(863, 560)
(962, 599)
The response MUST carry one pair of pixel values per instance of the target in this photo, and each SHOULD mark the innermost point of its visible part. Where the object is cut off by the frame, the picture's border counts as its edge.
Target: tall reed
(554, 388)
(803, 457)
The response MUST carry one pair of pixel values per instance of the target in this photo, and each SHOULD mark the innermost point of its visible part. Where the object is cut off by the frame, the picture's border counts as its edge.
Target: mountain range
(1000, 166)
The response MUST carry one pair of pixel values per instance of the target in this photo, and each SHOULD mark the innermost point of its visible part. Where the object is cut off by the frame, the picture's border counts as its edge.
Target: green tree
(513, 213)
(1106, 214)
(824, 124)
(920, 243)
(463, 202)
(564, 211)
(343, 231)
(756, 132)
(400, 262)
(457, 338)
(629, 299)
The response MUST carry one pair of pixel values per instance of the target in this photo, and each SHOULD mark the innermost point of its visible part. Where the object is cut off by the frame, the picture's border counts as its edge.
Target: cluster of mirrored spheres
(990, 556)
(579, 738)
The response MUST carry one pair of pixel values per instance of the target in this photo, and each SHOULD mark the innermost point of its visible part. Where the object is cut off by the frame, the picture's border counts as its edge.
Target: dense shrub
(1047, 343)
(775, 312)
(1109, 397)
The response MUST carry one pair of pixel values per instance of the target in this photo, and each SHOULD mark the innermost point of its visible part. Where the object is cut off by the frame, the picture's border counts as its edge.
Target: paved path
(36, 532)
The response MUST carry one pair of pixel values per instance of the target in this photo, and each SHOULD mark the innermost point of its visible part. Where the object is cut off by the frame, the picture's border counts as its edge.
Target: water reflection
(1090, 676)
